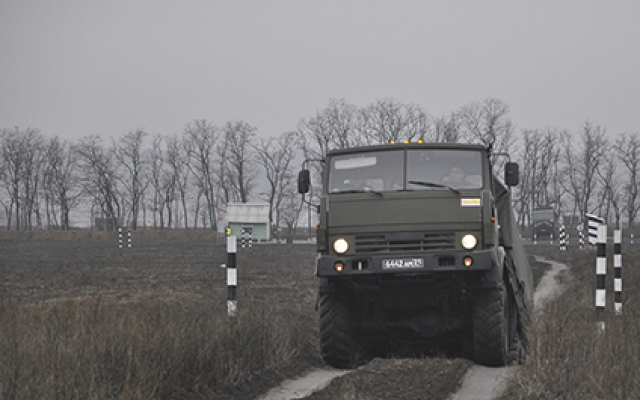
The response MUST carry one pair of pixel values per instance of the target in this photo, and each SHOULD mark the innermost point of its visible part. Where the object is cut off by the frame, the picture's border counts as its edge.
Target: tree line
(178, 180)
(186, 179)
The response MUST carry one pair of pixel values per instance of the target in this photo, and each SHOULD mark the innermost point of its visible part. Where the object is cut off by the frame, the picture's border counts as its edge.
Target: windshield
(393, 170)
(543, 214)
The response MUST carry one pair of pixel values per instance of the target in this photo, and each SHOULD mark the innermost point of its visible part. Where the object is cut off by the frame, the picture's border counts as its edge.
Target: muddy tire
(491, 315)
(336, 332)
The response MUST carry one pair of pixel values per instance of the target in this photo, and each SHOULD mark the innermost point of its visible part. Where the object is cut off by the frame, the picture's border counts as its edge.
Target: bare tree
(128, 151)
(540, 156)
(488, 122)
(275, 155)
(23, 155)
(610, 193)
(157, 179)
(178, 161)
(100, 178)
(447, 129)
(201, 141)
(241, 169)
(582, 161)
(388, 120)
(526, 200)
(291, 208)
(13, 160)
(61, 182)
(627, 147)
(34, 147)
(337, 126)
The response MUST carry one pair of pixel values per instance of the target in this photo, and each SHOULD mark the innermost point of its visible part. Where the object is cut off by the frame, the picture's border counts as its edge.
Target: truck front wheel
(337, 343)
(492, 314)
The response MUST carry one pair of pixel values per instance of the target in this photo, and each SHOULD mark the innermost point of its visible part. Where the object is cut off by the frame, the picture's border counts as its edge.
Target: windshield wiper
(361, 191)
(436, 185)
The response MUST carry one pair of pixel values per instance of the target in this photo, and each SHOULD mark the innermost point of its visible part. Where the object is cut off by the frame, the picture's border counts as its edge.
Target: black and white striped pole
(120, 237)
(601, 274)
(232, 276)
(246, 238)
(129, 242)
(617, 271)
(594, 222)
(563, 238)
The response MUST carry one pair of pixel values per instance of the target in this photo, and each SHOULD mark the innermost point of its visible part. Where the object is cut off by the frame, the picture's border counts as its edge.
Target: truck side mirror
(512, 174)
(304, 181)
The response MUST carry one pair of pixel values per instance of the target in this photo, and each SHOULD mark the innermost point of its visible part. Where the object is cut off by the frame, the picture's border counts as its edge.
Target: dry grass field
(569, 356)
(83, 319)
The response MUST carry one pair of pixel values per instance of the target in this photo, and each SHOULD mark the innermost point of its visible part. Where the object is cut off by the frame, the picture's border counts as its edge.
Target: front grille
(409, 295)
(401, 242)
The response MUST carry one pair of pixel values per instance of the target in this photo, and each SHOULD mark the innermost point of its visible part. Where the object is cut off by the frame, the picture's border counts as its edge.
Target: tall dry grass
(570, 357)
(92, 349)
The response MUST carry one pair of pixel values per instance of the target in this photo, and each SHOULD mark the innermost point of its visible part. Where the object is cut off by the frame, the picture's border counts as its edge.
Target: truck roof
(430, 145)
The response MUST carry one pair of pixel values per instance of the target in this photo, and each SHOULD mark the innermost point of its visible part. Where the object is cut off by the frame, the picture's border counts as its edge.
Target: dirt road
(480, 383)
(304, 386)
(484, 383)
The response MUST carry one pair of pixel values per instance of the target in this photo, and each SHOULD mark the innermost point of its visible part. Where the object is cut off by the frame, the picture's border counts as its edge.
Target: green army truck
(417, 243)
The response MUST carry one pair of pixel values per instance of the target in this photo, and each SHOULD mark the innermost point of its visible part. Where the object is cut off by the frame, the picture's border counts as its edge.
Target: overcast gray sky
(73, 68)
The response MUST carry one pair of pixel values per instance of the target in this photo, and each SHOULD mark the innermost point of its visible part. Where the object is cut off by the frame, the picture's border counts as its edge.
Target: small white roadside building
(253, 218)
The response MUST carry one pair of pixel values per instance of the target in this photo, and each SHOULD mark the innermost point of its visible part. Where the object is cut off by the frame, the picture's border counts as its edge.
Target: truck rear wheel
(491, 331)
(337, 343)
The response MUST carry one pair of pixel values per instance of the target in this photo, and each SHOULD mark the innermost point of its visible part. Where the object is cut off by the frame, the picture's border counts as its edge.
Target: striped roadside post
(129, 237)
(120, 237)
(232, 276)
(563, 238)
(601, 273)
(246, 237)
(594, 222)
(617, 271)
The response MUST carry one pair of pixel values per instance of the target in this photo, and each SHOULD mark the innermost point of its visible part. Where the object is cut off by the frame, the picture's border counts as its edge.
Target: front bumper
(415, 263)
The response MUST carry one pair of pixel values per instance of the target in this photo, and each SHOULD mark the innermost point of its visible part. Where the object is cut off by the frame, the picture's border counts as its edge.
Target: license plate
(400, 263)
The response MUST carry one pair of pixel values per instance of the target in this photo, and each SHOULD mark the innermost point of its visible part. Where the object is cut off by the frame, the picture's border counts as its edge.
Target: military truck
(544, 224)
(417, 244)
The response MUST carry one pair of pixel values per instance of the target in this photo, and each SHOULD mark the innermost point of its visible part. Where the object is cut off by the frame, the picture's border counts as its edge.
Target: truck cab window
(374, 171)
(459, 169)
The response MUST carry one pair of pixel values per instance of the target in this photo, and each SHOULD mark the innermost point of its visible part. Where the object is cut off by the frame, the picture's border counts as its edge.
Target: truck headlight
(341, 246)
(469, 241)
